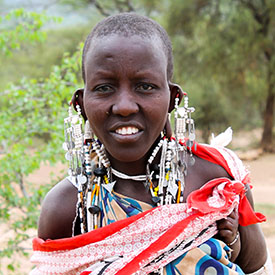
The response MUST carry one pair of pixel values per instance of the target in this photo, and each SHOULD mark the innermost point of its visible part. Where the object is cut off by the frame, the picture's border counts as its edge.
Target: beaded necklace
(92, 178)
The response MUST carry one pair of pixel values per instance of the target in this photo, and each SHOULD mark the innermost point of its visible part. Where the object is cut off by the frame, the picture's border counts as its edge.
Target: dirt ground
(263, 179)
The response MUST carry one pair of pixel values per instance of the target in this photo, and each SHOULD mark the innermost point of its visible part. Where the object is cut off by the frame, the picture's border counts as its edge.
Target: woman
(136, 169)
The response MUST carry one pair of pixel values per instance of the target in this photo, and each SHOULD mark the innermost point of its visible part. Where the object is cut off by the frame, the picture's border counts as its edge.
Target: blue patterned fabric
(211, 257)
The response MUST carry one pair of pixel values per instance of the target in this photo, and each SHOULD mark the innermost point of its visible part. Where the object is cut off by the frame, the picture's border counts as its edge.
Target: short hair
(129, 24)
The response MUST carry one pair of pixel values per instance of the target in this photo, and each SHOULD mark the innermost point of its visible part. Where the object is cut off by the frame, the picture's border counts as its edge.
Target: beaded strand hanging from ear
(93, 178)
(74, 146)
(184, 125)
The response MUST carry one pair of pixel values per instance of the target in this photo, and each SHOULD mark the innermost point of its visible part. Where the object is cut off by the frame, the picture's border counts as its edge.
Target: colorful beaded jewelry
(165, 181)
(184, 125)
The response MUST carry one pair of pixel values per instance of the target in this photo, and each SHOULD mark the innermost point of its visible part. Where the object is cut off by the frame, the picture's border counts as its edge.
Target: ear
(77, 99)
(167, 128)
(175, 91)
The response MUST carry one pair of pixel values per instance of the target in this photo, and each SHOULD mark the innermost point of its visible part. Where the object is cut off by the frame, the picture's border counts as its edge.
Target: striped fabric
(136, 238)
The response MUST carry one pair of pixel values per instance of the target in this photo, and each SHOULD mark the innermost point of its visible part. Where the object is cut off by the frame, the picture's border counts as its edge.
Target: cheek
(159, 110)
(95, 115)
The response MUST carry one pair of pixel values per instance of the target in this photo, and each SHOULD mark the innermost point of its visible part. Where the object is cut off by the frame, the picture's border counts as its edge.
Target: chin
(128, 155)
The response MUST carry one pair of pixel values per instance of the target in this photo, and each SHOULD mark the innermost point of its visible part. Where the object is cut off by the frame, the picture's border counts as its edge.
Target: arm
(58, 212)
(253, 252)
(229, 234)
(249, 251)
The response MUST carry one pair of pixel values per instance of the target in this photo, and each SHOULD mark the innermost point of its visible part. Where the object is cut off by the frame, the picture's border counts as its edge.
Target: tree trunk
(267, 138)
(19, 176)
(263, 18)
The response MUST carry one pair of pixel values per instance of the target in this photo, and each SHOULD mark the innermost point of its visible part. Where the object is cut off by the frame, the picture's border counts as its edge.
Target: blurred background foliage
(224, 58)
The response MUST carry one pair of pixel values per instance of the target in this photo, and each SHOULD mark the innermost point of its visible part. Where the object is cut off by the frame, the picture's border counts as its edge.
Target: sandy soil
(263, 180)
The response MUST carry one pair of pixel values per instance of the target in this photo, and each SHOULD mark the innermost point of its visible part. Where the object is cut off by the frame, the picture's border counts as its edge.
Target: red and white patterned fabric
(150, 240)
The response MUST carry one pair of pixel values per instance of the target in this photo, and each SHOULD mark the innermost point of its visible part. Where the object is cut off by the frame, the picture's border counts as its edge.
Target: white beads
(100, 151)
(78, 110)
(168, 157)
(155, 151)
(177, 102)
(74, 142)
(87, 160)
(70, 111)
(184, 124)
(186, 102)
(78, 136)
(127, 177)
(88, 133)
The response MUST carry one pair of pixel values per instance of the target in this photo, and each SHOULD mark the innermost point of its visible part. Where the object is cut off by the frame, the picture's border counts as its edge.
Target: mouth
(126, 133)
(127, 130)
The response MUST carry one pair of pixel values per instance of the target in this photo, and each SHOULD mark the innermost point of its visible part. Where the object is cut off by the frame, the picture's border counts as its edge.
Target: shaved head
(130, 24)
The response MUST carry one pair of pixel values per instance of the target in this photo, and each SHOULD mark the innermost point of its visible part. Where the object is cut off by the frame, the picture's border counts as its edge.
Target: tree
(263, 13)
(30, 111)
(32, 114)
(34, 110)
(107, 7)
(222, 49)
(19, 26)
(229, 44)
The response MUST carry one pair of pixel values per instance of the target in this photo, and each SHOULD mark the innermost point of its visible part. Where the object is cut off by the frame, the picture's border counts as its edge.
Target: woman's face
(126, 96)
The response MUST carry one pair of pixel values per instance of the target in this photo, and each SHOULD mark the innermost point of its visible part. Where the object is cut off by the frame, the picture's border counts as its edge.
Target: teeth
(124, 131)
(127, 130)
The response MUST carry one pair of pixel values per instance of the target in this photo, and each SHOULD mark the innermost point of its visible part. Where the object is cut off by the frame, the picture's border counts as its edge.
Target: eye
(145, 87)
(103, 89)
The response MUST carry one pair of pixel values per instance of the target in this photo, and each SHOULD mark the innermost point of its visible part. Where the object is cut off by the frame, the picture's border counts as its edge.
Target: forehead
(105, 48)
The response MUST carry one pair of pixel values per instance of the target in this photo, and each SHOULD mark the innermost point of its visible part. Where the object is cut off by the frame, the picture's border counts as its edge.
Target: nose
(125, 103)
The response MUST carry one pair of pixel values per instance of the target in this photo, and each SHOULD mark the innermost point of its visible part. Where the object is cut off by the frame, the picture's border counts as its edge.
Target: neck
(133, 188)
(133, 168)
(137, 167)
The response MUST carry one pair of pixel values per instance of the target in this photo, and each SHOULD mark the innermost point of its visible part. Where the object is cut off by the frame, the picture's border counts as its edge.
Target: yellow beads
(106, 179)
(167, 175)
(156, 189)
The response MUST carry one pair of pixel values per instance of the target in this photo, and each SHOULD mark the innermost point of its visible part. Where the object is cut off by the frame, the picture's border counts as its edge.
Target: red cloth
(213, 201)
(197, 198)
(247, 215)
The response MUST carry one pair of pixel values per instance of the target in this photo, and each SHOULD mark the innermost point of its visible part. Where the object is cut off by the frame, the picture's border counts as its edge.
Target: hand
(228, 227)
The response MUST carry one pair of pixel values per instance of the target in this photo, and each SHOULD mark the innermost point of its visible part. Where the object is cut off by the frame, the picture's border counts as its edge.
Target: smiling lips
(128, 130)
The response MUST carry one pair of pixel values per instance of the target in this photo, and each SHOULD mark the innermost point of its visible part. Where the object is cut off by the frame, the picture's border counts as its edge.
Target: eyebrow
(147, 73)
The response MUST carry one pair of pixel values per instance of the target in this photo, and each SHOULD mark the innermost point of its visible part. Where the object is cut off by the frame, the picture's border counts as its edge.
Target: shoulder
(202, 172)
(207, 164)
(225, 158)
(58, 211)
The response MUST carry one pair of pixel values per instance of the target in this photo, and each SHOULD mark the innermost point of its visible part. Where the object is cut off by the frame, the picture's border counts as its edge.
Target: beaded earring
(164, 180)
(73, 144)
(170, 174)
(184, 125)
(82, 171)
(102, 176)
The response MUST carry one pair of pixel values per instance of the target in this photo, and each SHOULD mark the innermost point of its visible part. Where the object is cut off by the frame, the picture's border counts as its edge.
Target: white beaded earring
(74, 144)
(76, 155)
(184, 124)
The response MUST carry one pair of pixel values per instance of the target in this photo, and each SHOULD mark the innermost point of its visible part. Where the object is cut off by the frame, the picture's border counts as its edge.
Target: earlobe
(167, 128)
(175, 91)
(77, 99)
